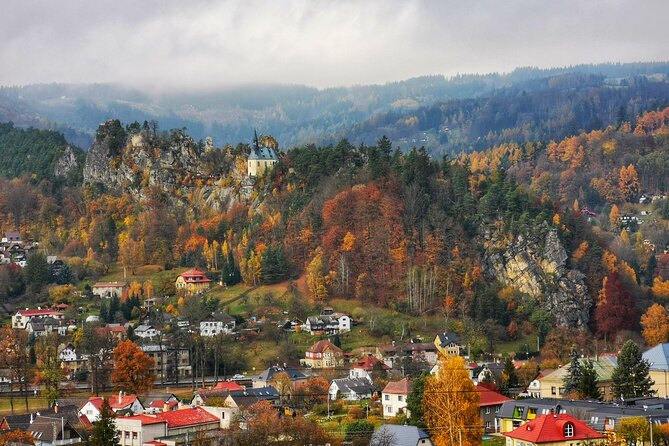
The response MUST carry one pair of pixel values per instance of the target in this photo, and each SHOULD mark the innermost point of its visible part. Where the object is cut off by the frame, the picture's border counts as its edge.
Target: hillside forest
(494, 242)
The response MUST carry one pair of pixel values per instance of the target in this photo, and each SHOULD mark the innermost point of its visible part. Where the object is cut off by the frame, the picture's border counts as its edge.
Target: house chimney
(166, 406)
(31, 418)
(55, 408)
(120, 396)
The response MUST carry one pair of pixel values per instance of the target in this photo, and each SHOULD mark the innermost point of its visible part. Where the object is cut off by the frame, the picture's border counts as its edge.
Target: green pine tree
(587, 385)
(104, 430)
(573, 378)
(630, 378)
(415, 401)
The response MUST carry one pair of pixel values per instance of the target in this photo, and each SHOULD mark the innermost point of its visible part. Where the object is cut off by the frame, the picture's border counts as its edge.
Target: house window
(569, 430)
(387, 397)
(487, 410)
(553, 391)
(488, 425)
(497, 409)
(400, 398)
(518, 412)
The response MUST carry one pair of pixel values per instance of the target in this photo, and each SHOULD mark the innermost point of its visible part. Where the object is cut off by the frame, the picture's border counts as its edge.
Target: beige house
(658, 359)
(323, 355)
(552, 385)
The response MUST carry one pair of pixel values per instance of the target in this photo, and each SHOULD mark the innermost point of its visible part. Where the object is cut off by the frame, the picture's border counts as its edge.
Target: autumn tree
(16, 437)
(634, 430)
(655, 324)
(49, 373)
(104, 430)
(614, 216)
(130, 253)
(16, 359)
(451, 405)
(629, 182)
(631, 378)
(316, 281)
(615, 309)
(132, 368)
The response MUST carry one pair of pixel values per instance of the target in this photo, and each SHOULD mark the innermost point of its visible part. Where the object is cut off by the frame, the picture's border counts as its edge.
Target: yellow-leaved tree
(451, 404)
(655, 323)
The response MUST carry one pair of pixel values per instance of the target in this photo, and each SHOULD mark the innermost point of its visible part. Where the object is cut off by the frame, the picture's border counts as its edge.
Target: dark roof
(447, 338)
(396, 435)
(48, 429)
(658, 357)
(263, 153)
(292, 372)
(248, 397)
(356, 385)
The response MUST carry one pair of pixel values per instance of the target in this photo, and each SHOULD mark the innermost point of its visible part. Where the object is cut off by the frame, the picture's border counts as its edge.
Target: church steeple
(255, 140)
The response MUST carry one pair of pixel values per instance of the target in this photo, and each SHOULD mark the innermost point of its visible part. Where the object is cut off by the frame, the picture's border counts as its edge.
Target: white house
(110, 289)
(216, 324)
(363, 368)
(122, 402)
(146, 332)
(394, 398)
(22, 317)
(351, 389)
(331, 324)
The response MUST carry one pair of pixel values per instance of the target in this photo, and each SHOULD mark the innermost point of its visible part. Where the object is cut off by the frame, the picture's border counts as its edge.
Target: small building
(217, 323)
(449, 344)
(490, 405)
(396, 435)
(363, 368)
(261, 159)
(552, 385)
(240, 399)
(327, 324)
(394, 398)
(11, 237)
(554, 429)
(192, 281)
(658, 359)
(107, 290)
(22, 317)
(267, 377)
(351, 389)
(323, 355)
(53, 430)
(170, 363)
(146, 332)
(122, 403)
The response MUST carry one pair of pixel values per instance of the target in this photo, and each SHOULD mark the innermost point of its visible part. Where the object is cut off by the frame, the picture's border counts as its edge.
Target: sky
(197, 44)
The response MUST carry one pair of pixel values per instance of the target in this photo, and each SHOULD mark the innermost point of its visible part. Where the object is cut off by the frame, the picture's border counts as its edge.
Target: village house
(107, 290)
(22, 317)
(449, 344)
(554, 429)
(192, 281)
(120, 403)
(11, 237)
(658, 359)
(351, 389)
(240, 399)
(170, 363)
(217, 323)
(70, 361)
(323, 355)
(552, 385)
(394, 354)
(363, 369)
(394, 398)
(400, 435)
(53, 431)
(146, 332)
(166, 428)
(267, 377)
(327, 324)
(219, 392)
(490, 404)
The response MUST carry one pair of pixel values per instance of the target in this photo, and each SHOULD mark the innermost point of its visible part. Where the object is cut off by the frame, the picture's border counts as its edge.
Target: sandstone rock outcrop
(537, 265)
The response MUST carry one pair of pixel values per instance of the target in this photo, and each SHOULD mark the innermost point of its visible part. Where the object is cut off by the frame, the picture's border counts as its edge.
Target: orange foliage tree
(132, 368)
(655, 324)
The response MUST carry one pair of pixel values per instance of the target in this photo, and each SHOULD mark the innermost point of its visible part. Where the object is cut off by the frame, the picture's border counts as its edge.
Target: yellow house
(552, 385)
(192, 281)
(448, 344)
(658, 359)
(323, 355)
(554, 430)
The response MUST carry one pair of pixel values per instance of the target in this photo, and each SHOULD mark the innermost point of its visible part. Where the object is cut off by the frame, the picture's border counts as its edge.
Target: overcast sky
(201, 43)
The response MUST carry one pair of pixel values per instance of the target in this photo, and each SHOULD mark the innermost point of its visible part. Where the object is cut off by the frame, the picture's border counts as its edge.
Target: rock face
(536, 265)
(66, 163)
(178, 166)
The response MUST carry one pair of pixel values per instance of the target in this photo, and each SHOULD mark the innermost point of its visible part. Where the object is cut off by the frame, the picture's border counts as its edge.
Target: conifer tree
(104, 430)
(630, 378)
(574, 373)
(587, 384)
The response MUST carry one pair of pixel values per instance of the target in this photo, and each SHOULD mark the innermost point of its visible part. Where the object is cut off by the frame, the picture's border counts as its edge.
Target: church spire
(255, 139)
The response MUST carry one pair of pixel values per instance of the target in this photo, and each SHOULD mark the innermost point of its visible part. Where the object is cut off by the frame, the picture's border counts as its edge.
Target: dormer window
(569, 430)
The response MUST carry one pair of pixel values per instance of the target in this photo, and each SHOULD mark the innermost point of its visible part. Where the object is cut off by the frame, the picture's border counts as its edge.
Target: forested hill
(539, 109)
(442, 114)
(41, 154)
(519, 240)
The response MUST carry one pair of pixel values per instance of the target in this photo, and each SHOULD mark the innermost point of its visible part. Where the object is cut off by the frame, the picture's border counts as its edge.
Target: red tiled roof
(401, 387)
(160, 404)
(156, 443)
(320, 346)
(228, 385)
(194, 276)
(126, 400)
(187, 417)
(110, 285)
(489, 397)
(368, 362)
(44, 312)
(145, 419)
(85, 421)
(550, 428)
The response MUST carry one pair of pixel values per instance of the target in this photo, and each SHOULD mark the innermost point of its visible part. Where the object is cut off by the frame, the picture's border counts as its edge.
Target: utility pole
(650, 422)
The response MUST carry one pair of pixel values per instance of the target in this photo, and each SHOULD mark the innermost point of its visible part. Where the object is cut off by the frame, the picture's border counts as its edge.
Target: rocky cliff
(536, 264)
(200, 176)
